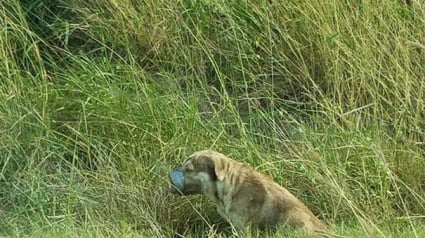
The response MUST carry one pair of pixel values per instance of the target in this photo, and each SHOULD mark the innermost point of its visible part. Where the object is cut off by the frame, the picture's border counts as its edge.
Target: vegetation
(100, 99)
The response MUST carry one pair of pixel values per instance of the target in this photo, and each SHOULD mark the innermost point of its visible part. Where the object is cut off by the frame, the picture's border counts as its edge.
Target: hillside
(100, 99)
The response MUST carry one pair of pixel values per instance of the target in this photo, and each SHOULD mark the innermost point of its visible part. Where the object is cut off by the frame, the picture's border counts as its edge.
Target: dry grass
(98, 100)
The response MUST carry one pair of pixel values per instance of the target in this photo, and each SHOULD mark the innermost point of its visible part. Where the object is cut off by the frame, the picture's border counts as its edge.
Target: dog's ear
(217, 165)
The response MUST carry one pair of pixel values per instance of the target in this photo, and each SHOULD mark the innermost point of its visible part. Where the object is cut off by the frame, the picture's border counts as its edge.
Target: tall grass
(99, 99)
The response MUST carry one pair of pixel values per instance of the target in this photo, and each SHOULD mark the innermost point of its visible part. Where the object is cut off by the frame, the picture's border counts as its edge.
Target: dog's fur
(243, 196)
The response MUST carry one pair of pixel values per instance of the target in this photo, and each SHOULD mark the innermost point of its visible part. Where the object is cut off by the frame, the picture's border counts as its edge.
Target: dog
(244, 197)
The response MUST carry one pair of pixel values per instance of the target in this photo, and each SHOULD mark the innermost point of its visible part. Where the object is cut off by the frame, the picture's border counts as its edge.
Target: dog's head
(198, 173)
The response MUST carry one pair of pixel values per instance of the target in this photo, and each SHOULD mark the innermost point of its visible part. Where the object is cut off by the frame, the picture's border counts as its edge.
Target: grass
(100, 99)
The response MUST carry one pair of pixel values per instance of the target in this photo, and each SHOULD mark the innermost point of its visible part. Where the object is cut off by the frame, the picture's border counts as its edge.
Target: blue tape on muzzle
(177, 179)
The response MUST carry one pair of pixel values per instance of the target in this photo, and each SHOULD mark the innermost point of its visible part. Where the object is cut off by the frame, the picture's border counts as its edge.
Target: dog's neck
(213, 192)
(219, 195)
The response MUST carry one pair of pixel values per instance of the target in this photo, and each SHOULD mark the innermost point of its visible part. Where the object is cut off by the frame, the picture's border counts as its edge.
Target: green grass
(100, 99)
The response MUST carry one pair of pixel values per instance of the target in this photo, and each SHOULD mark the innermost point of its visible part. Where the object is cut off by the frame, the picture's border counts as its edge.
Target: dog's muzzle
(177, 180)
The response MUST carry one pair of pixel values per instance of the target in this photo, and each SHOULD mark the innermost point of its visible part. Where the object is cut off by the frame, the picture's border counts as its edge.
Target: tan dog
(242, 195)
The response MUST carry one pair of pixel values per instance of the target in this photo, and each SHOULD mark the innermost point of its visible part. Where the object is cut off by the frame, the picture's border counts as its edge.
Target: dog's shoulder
(250, 190)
